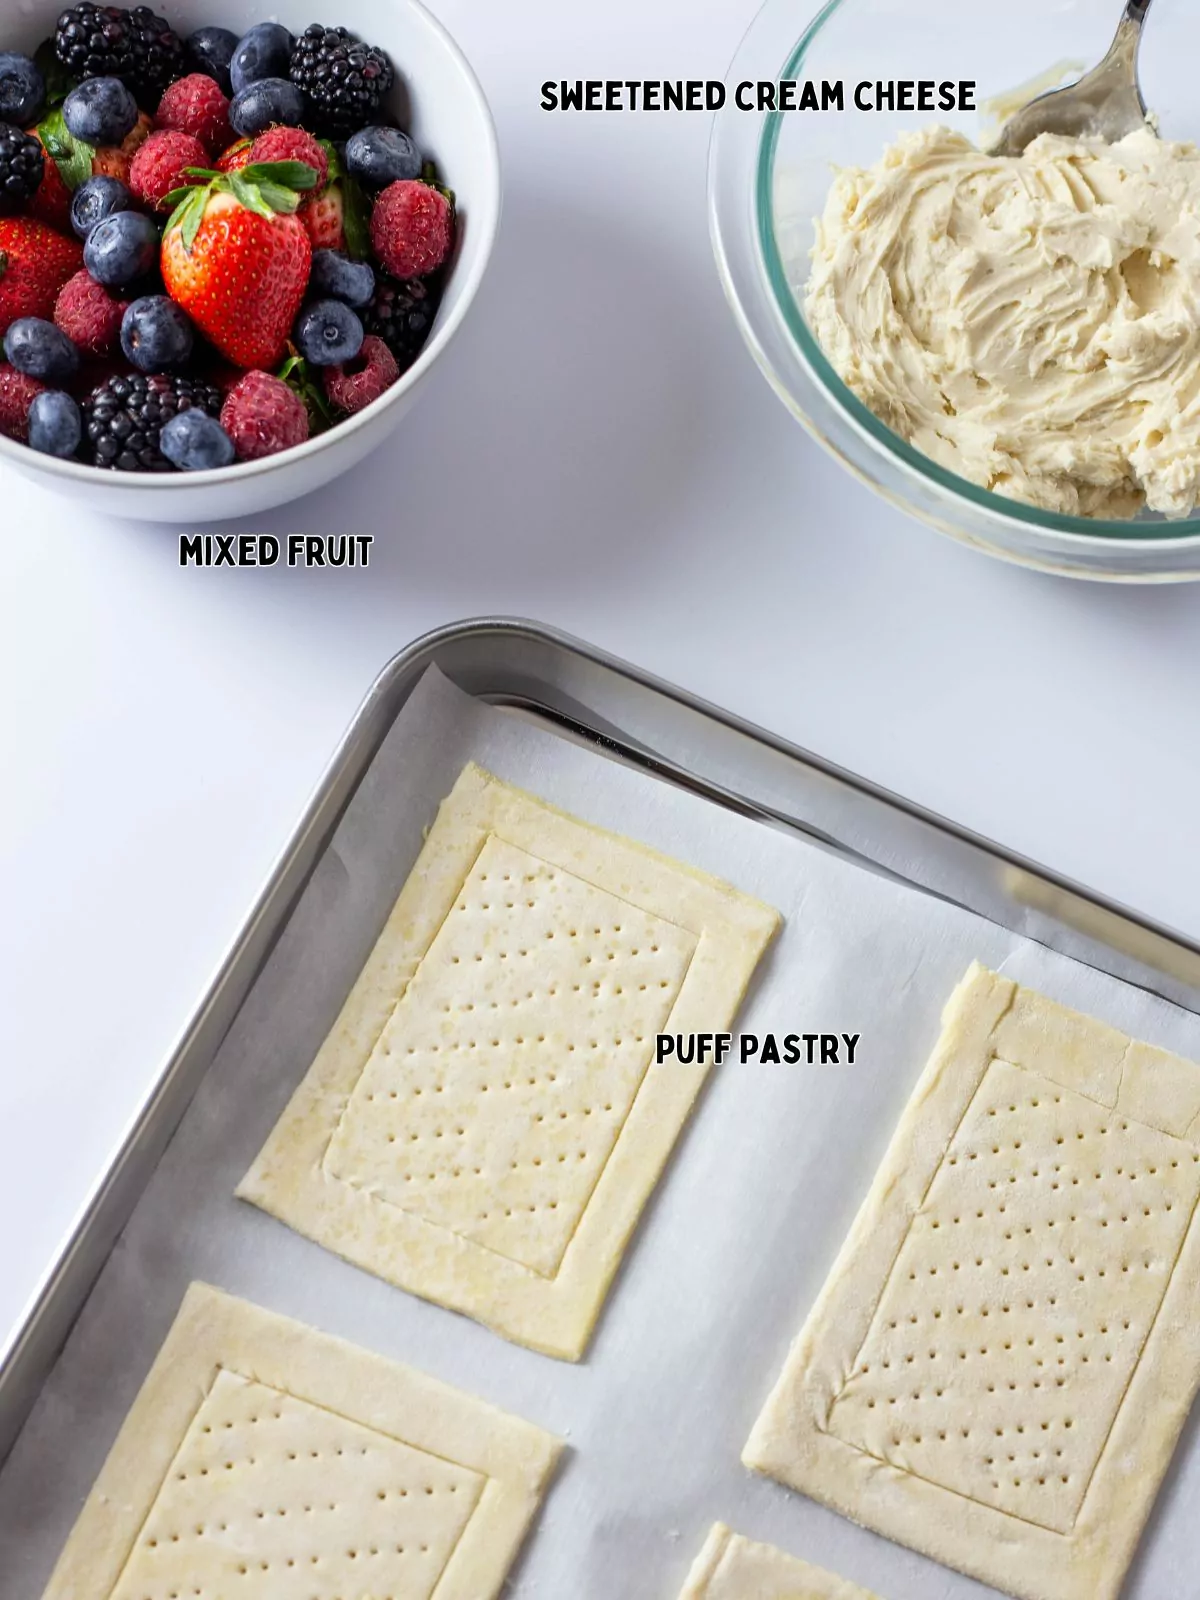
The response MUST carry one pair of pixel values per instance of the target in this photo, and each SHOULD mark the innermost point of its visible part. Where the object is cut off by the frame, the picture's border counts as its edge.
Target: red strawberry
(292, 144)
(412, 228)
(90, 316)
(111, 162)
(241, 273)
(114, 160)
(160, 166)
(324, 216)
(196, 105)
(52, 202)
(35, 262)
(236, 157)
(16, 396)
(137, 135)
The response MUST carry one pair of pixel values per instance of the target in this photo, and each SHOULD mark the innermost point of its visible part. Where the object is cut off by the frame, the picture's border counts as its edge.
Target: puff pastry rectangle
(997, 1371)
(265, 1460)
(731, 1567)
(485, 1121)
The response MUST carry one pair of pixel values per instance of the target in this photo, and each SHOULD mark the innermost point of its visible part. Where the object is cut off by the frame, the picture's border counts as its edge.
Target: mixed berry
(210, 248)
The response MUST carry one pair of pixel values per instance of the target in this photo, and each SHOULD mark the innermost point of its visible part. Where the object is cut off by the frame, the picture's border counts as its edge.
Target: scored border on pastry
(731, 1567)
(485, 1120)
(264, 1456)
(998, 1368)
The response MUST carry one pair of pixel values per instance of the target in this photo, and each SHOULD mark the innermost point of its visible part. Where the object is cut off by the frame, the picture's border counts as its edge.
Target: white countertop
(598, 452)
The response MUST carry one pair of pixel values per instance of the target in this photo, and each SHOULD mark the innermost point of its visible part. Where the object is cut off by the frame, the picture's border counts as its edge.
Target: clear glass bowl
(769, 174)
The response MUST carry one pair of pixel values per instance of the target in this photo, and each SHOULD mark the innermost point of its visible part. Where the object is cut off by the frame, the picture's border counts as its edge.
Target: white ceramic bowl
(443, 107)
(769, 175)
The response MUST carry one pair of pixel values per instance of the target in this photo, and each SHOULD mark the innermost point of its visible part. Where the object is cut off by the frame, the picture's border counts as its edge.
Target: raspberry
(412, 228)
(16, 396)
(292, 144)
(324, 217)
(357, 383)
(160, 164)
(196, 105)
(262, 416)
(89, 315)
(236, 157)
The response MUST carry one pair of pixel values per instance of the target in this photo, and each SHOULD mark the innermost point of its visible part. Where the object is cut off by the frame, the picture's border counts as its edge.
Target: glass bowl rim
(1168, 532)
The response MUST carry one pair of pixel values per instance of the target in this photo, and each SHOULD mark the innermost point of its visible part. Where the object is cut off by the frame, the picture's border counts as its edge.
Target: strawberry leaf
(70, 155)
(336, 169)
(278, 198)
(178, 200)
(291, 174)
(189, 214)
(177, 197)
(268, 188)
(249, 195)
(356, 218)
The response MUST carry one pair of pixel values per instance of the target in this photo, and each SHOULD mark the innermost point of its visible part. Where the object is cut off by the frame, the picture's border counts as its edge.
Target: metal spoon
(1105, 104)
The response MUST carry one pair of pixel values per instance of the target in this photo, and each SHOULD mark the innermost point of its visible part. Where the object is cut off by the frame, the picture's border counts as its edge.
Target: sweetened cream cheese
(1031, 323)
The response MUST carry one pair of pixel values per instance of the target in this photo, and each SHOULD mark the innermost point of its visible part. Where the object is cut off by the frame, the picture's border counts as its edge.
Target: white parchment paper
(732, 1248)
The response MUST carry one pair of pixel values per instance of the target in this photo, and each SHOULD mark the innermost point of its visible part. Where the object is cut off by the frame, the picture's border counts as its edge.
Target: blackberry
(123, 418)
(401, 314)
(94, 41)
(345, 81)
(159, 55)
(21, 165)
(136, 46)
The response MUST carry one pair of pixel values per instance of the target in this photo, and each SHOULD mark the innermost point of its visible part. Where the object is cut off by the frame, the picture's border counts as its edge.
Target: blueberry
(121, 249)
(210, 51)
(265, 103)
(335, 275)
(196, 442)
(95, 199)
(55, 423)
(328, 333)
(156, 334)
(100, 111)
(40, 350)
(264, 52)
(380, 156)
(22, 90)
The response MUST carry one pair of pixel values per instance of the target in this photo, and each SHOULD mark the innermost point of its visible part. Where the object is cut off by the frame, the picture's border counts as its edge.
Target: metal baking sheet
(882, 908)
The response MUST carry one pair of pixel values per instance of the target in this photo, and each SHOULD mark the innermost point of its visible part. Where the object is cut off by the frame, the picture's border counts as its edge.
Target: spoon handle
(1135, 12)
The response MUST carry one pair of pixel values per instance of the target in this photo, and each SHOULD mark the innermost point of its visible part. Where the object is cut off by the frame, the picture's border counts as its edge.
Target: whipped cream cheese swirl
(1031, 323)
